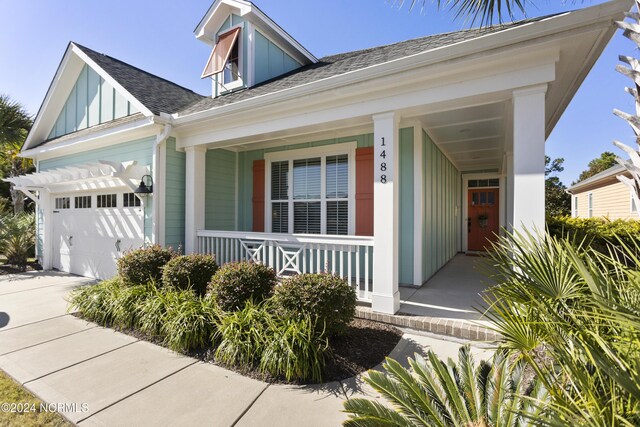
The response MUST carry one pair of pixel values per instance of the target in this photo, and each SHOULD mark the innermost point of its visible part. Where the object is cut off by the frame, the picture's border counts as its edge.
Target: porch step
(454, 328)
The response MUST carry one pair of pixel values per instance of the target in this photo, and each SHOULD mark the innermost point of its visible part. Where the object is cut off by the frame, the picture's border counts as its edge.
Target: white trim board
(348, 148)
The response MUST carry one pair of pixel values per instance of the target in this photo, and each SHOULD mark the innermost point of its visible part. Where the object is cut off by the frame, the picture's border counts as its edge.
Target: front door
(483, 223)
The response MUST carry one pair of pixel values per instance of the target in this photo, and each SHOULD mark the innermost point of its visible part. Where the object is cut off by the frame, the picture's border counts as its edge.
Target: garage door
(91, 231)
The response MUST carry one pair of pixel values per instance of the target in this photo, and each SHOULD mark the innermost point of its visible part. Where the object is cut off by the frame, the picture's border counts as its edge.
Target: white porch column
(47, 229)
(194, 196)
(528, 158)
(386, 297)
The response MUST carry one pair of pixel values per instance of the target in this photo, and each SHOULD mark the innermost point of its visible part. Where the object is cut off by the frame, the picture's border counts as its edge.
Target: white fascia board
(604, 14)
(127, 132)
(66, 75)
(117, 86)
(251, 12)
(62, 83)
(408, 98)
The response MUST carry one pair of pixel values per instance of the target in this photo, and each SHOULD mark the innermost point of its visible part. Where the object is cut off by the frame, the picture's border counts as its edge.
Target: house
(379, 164)
(603, 195)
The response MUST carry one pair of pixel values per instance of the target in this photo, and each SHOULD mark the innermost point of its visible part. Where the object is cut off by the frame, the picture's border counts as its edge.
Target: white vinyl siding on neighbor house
(311, 191)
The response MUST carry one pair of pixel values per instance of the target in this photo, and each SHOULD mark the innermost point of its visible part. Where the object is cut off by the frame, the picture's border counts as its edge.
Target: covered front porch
(386, 174)
(384, 202)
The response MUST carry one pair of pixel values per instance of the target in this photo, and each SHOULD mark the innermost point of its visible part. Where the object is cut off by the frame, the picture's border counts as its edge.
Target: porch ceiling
(472, 137)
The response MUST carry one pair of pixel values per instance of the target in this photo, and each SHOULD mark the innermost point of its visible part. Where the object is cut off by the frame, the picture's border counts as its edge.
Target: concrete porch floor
(452, 293)
(447, 304)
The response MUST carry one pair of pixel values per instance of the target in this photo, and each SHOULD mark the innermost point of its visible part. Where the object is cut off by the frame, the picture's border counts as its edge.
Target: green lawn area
(13, 393)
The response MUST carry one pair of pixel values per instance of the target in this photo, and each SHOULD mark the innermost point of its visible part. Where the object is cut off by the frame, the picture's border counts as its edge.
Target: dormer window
(225, 60)
(232, 66)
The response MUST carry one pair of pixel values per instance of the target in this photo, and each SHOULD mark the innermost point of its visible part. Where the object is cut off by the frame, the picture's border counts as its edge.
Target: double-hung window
(590, 206)
(310, 195)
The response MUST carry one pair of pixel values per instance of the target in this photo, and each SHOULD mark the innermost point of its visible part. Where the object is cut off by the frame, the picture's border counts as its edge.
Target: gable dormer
(248, 47)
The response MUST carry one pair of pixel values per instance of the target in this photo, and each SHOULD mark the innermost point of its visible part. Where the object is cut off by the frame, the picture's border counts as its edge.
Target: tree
(599, 164)
(632, 32)
(484, 11)
(15, 124)
(557, 201)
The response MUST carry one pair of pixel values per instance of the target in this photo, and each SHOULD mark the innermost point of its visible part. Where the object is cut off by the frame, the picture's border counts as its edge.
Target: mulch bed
(11, 269)
(364, 346)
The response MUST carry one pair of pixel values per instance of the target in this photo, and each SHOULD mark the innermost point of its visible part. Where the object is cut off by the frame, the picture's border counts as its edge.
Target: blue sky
(157, 36)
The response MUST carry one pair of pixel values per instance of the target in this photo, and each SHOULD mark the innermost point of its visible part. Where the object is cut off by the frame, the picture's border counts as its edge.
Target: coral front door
(483, 222)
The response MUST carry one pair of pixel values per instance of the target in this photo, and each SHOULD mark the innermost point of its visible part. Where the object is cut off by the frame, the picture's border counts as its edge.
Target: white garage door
(91, 231)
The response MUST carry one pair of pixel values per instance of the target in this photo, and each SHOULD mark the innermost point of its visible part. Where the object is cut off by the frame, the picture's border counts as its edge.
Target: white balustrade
(350, 257)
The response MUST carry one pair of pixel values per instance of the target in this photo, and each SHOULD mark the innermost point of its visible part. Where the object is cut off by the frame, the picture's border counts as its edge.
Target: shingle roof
(612, 171)
(335, 65)
(155, 93)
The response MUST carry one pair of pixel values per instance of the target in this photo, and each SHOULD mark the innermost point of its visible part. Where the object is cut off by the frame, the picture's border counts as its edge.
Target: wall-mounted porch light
(146, 185)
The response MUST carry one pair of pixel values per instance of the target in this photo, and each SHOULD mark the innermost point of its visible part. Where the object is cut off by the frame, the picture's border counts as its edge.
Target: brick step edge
(435, 325)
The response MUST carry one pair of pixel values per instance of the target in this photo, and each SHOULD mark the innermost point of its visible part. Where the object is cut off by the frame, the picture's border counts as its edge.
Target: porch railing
(350, 257)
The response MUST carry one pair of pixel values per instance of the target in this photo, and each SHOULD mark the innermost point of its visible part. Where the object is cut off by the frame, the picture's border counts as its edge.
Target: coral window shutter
(220, 53)
(258, 195)
(364, 191)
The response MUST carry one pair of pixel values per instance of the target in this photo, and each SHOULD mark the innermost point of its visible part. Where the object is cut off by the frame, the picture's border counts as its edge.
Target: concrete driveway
(97, 376)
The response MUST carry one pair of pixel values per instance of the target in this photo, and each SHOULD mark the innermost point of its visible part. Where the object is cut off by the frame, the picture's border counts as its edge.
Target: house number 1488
(383, 164)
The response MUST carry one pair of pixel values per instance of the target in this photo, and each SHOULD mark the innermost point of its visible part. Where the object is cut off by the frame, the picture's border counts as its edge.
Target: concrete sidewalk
(103, 377)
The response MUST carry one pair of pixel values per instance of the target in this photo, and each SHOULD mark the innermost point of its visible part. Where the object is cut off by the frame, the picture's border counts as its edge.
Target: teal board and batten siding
(220, 190)
(270, 60)
(175, 170)
(443, 192)
(139, 150)
(245, 171)
(406, 212)
(92, 101)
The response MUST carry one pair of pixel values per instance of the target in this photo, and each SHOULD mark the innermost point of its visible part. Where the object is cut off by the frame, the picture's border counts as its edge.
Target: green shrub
(578, 308)
(123, 302)
(150, 311)
(293, 349)
(328, 299)
(242, 335)
(189, 272)
(188, 322)
(438, 393)
(236, 283)
(144, 265)
(17, 238)
(597, 233)
(95, 302)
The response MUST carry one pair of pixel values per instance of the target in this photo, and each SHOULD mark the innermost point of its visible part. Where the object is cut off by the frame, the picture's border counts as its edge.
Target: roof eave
(606, 12)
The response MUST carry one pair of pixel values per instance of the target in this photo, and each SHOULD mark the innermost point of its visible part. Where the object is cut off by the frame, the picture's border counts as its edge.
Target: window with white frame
(63, 203)
(634, 208)
(107, 201)
(590, 212)
(575, 206)
(82, 202)
(310, 195)
(130, 200)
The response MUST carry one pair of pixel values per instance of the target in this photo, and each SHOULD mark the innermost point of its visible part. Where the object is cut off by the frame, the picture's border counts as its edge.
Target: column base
(388, 304)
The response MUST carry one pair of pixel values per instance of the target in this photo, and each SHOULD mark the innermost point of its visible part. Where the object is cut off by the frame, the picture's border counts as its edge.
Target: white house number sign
(384, 161)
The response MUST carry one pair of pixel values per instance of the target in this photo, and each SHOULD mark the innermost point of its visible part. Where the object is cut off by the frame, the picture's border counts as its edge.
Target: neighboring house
(603, 195)
(379, 164)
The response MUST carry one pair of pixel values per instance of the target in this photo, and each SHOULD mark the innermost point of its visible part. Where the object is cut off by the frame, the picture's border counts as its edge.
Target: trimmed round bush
(144, 265)
(189, 272)
(236, 283)
(326, 298)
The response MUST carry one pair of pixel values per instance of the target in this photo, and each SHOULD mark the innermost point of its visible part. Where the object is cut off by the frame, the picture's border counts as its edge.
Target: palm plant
(15, 123)
(573, 315)
(435, 393)
(17, 238)
(484, 11)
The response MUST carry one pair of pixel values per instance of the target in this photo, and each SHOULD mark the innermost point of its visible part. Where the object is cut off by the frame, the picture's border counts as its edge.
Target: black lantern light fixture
(146, 185)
